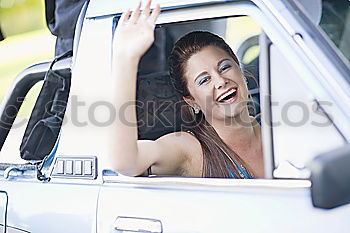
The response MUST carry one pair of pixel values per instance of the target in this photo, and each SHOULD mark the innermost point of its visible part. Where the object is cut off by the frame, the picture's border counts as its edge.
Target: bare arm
(133, 38)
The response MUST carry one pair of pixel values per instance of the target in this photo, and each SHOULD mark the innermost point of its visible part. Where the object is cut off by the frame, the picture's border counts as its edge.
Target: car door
(175, 204)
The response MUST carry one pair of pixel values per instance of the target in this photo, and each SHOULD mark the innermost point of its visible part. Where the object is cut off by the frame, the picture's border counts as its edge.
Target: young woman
(222, 140)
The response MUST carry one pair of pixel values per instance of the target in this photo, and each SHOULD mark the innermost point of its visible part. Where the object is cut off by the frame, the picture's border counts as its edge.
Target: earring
(196, 110)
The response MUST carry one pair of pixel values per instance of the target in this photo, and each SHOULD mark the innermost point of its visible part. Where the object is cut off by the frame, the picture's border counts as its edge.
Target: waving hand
(135, 31)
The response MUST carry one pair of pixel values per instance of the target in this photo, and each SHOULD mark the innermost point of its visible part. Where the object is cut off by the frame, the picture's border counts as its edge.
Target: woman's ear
(189, 100)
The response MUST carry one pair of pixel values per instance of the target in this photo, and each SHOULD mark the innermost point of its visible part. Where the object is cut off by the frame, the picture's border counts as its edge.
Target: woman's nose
(220, 82)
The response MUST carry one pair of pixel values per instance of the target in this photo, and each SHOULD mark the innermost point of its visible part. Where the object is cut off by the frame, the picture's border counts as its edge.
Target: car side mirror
(330, 178)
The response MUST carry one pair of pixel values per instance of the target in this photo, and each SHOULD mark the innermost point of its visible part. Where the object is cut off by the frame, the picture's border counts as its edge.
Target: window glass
(335, 21)
(300, 130)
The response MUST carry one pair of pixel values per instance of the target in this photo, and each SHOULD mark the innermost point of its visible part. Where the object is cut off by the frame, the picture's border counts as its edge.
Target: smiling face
(215, 83)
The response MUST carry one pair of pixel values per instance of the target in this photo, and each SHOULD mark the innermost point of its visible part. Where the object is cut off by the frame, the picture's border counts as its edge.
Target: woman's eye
(224, 66)
(203, 80)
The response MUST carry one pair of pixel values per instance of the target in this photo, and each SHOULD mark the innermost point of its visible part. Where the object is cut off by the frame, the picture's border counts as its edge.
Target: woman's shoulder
(184, 139)
(181, 136)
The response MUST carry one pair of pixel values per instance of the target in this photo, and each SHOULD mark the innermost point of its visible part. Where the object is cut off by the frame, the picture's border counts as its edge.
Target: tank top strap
(244, 171)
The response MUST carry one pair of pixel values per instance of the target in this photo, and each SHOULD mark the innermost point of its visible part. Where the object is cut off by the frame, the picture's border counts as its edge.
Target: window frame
(288, 42)
(312, 48)
(282, 35)
(232, 9)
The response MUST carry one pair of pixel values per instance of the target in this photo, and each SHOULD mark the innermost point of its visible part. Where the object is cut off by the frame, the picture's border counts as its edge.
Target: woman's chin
(234, 110)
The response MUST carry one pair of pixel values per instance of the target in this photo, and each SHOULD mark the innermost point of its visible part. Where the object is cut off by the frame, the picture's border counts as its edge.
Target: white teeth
(227, 94)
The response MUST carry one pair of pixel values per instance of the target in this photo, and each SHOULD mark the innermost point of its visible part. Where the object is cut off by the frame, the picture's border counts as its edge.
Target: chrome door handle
(132, 224)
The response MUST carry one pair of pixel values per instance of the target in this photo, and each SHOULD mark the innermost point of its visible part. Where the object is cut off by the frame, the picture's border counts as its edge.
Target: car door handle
(133, 224)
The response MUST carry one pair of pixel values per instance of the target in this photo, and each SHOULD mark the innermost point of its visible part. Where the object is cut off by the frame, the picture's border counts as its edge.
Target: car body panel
(35, 206)
(216, 206)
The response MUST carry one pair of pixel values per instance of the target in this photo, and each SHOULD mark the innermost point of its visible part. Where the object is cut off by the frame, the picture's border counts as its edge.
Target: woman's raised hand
(135, 31)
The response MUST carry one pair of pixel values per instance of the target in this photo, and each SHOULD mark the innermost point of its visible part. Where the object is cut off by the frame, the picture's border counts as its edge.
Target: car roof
(98, 8)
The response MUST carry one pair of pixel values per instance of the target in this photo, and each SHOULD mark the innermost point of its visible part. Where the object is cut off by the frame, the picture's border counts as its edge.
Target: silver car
(55, 174)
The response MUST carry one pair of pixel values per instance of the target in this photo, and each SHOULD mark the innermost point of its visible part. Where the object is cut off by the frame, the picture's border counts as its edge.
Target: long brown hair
(218, 158)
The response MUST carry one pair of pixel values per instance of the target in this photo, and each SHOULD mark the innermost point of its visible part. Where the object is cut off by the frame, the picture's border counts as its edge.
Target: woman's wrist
(122, 55)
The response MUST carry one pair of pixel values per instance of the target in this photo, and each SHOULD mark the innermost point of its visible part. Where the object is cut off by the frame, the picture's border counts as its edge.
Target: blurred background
(27, 38)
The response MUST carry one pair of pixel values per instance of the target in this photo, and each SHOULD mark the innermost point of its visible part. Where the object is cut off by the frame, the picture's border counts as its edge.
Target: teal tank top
(242, 171)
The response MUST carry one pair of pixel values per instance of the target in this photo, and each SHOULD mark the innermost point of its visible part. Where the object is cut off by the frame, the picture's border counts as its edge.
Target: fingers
(147, 10)
(155, 13)
(136, 14)
(125, 16)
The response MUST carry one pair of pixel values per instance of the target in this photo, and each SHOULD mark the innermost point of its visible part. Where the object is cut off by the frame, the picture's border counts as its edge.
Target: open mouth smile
(228, 96)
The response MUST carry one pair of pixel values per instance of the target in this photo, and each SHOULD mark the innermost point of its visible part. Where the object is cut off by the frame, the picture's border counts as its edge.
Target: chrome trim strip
(206, 183)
